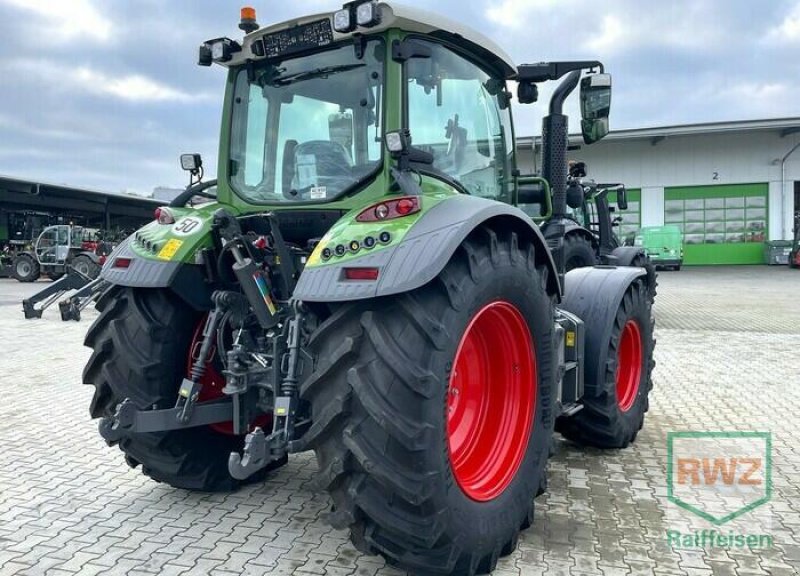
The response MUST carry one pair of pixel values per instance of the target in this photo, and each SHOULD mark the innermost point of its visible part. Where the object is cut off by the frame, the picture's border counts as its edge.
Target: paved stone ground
(727, 353)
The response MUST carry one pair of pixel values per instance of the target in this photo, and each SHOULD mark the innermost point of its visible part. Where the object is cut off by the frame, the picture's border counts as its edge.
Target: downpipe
(783, 189)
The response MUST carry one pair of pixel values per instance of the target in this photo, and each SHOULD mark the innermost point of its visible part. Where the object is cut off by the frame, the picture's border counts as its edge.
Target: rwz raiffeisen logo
(719, 476)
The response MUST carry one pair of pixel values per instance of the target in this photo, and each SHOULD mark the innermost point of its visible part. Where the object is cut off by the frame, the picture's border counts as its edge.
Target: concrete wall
(707, 159)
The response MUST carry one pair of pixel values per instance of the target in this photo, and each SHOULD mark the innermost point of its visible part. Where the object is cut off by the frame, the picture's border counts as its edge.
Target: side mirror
(622, 198)
(595, 106)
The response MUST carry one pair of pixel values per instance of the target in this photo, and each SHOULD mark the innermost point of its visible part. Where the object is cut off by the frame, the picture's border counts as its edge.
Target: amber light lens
(248, 13)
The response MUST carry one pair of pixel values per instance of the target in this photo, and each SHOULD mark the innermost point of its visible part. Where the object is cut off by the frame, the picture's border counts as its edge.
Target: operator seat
(321, 163)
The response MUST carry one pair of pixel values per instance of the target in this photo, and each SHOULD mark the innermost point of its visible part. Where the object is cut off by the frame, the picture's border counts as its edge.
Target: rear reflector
(122, 262)
(361, 273)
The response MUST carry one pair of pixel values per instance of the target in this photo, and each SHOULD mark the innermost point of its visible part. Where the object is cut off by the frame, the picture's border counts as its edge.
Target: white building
(730, 186)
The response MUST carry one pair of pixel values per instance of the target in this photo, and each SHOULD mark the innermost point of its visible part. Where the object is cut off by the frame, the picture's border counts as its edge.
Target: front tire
(578, 252)
(86, 266)
(644, 261)
(141, 343)
(410, 469)
(613, 415)
(25, 268)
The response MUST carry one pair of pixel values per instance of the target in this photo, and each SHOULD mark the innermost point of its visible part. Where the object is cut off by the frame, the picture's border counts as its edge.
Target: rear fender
(594, 295)
(421, 253)
(163, 256)
(625, 255)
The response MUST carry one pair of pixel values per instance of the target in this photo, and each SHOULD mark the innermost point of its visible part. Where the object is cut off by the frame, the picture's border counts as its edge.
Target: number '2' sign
(187, 225)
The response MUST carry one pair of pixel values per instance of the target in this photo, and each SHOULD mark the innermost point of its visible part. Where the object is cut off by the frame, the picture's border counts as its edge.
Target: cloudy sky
(106, 93)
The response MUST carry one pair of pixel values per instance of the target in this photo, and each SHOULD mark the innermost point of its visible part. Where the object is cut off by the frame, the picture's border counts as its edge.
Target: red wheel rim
(491, 401)
(213, 382)
(629, 365)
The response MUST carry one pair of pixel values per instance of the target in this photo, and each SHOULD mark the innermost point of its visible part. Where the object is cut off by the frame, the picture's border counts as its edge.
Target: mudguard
(421, 254)
(626, 254)
(186, 280)
(572, 227)
(594, 295)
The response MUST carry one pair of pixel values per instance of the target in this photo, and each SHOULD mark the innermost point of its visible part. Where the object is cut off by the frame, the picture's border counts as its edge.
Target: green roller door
(721, 224)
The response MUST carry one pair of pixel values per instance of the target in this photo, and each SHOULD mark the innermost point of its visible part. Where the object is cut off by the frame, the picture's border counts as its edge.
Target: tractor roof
(403, 18)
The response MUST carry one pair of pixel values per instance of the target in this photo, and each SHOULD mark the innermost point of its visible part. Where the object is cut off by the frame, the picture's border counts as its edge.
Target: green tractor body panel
(175, 242)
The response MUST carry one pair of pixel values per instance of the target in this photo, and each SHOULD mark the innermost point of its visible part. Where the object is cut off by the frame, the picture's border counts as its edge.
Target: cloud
(613, 34)
(107, 94)
(65, 20)
(789, 29)
(133, 88)
(515, 13)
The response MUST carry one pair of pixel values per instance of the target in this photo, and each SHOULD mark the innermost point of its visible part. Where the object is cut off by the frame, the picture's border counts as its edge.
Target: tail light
(164, 215)
(390, 209)
(122, 263)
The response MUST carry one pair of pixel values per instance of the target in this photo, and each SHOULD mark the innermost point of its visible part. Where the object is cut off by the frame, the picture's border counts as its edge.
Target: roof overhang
(783, 126)
(398, 17)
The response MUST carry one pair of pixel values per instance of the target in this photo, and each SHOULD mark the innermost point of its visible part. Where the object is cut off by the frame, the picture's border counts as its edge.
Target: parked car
(663, 244)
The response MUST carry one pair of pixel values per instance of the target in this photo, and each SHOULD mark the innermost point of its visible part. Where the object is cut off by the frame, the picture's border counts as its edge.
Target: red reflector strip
(122, 262)
(361, 273)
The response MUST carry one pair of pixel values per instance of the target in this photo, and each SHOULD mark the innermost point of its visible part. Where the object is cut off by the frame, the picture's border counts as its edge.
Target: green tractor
(590, 238)
(362, 284)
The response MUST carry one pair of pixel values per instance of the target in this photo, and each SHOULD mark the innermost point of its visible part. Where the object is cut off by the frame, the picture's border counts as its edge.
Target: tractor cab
(56, 242)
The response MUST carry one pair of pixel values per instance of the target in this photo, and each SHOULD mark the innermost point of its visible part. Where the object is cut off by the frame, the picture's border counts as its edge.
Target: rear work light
(390, 209)
(369, 274)
(164, 216)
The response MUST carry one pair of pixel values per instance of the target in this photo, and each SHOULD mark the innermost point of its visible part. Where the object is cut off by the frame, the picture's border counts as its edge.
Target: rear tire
(25, 268)
(86, 266)
(643, 261)
(384, 429)
(140, 342)
(578, 252)
(613, 417)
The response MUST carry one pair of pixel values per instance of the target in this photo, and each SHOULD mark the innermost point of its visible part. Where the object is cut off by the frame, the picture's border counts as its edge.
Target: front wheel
(433, 410)
(578, 252)
(86, 266)
(620, 380)
(25, 268)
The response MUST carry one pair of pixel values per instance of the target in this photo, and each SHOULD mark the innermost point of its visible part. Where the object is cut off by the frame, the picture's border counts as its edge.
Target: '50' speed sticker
(188, 225)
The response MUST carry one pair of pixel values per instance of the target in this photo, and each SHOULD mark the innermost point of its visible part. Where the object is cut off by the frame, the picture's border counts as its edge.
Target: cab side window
(454, 111)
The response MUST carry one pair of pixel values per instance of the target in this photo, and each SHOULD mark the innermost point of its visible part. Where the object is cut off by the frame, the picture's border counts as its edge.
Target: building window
(718, 215)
